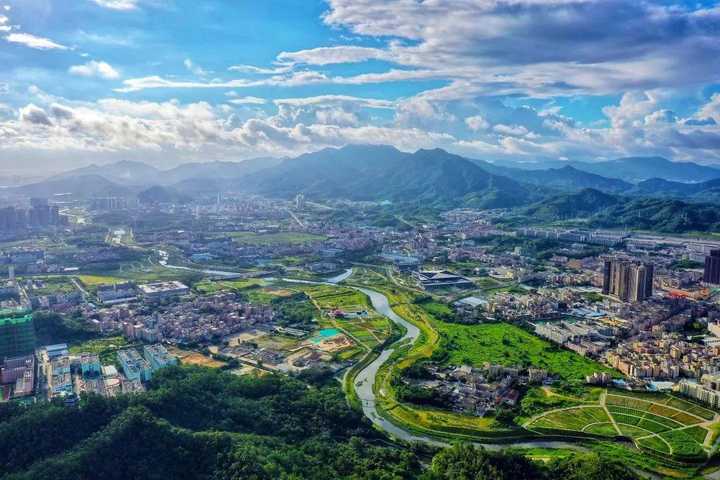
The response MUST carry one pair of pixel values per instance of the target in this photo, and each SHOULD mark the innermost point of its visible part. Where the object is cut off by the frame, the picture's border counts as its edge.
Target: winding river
(365, 379)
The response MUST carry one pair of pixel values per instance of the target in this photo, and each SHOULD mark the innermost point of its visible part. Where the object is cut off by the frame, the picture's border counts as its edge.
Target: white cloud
(333, 55)
(260, 70)
(123, 5)
(32, 41)
(511, 130)
(194, 68)
(247, 101)
(336, 99)
(477, 123)
(95, 69)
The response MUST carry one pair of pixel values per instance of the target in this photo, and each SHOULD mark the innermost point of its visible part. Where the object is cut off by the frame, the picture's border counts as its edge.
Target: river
(365, 379)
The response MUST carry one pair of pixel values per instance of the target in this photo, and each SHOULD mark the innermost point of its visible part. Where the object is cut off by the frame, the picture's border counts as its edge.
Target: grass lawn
(505, 344)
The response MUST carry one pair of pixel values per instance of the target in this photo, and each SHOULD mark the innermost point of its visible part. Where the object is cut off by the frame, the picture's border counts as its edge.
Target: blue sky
(171, 81)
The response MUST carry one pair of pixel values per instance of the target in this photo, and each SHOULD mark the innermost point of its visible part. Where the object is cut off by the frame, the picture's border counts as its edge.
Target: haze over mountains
(383, 173)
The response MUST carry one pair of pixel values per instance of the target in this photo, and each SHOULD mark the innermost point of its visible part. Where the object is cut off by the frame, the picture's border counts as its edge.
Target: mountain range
(383, 173)
(593, 208)
(631, 169)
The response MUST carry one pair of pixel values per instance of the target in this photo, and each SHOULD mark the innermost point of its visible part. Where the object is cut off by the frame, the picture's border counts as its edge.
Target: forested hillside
(198, 423)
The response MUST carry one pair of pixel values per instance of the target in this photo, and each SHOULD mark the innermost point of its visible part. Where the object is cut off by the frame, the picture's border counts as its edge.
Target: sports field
(662, 423)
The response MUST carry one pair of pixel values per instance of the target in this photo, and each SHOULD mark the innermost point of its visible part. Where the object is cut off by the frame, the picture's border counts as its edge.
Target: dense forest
(196, 423)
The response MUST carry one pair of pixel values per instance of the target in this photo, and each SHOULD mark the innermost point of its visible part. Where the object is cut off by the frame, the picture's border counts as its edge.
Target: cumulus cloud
(539, 46)
(95, 69)
(637, 125)
(511, 130)
(33, 114)
(32, 41)
(477, 123)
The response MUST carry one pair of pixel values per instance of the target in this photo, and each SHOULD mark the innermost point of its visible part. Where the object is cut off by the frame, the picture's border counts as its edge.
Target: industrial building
(430, 280)
(160, 290)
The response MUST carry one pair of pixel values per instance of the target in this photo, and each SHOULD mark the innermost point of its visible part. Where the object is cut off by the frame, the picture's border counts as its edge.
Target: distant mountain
(657, 187)
(82, 186)
(217, 170)
(378, 173)
(582, 204)
(637, 169)
(602, 210)
(123, 172)
(629, 169)
(158, 194)
(562, 178)
(662, 215)
(140, 174)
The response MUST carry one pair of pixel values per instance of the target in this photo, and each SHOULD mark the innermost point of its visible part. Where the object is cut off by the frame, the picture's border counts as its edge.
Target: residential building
(158, 356)
(17, 334)
(628, 281)
(711, 273)
(134, 366)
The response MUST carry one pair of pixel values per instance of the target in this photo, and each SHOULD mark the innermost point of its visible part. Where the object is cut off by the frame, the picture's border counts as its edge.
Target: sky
(174, 81)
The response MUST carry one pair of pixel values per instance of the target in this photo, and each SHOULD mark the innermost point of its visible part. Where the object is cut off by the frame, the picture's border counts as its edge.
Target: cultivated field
(661, 423)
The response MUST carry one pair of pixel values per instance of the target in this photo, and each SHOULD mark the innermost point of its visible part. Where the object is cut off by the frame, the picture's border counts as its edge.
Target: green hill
(597, 209)
(202, 424)
(378, 173)
(582, 204)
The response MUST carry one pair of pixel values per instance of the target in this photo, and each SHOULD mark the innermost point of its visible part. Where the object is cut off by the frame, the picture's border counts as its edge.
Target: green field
(209, 287)
(53, 285)
(95, 280)
(505, 344)
(575, 419)
(368, 331)
(105, 348)
(658, 422)
(281, 238)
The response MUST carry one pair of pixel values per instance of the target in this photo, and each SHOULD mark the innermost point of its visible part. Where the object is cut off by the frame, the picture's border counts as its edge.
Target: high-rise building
(628, 281)
(712, 267)
(17, 333)
(299, 201)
